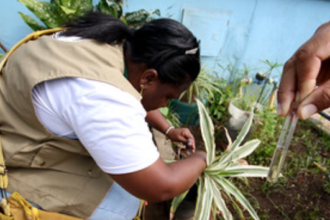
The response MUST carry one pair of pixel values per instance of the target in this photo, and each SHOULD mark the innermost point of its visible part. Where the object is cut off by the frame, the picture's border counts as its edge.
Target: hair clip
(192, 51)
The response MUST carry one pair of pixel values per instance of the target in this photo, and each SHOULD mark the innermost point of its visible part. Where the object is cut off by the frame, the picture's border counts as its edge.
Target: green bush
(55, 13)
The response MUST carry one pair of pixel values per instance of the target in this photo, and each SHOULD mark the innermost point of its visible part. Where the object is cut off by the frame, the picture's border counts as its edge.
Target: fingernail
(308, 110)
(279, 109)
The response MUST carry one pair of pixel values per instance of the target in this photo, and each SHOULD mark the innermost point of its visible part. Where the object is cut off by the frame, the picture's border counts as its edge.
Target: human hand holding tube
(308, 67)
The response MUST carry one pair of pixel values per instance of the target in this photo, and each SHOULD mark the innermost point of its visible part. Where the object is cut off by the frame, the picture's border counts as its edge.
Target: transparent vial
(282, 147)
(277, 164)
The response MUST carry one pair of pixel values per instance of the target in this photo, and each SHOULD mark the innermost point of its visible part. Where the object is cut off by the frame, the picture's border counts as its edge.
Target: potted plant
(215, 185)
(202, 88)
(258, 93)
(55, 13)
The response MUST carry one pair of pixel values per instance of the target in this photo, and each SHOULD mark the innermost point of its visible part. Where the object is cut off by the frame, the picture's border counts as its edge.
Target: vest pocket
(50, 157)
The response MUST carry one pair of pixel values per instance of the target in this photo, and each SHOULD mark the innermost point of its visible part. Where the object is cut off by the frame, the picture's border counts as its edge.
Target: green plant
(267, 131)
(202, 88)
(217, 102)
(54, 13)
(215, 185)
(1, 55)
(263, 96)
(58, 12)
(171, 117)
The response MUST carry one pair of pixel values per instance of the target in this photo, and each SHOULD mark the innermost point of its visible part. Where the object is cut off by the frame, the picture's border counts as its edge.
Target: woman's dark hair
(162, 44)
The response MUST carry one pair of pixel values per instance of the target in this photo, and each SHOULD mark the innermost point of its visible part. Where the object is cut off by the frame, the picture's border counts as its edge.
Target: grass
(304, 191)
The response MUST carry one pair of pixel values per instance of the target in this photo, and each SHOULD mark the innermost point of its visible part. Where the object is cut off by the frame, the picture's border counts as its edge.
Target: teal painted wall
(256, 29)
(236, 32)
(12, 27)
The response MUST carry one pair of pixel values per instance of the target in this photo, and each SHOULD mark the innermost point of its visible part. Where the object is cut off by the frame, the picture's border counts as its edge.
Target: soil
(300, 195)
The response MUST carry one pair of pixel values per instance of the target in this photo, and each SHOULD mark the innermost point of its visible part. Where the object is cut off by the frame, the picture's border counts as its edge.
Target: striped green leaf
(177, 200)
(223, 173)
(204, 200)
(207, 130)
(219, 201)
(232, 189)
(245, 150)
(247, 171)
(242, 134)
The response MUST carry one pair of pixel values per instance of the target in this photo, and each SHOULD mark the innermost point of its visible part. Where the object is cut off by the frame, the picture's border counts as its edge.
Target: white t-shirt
(109, 122)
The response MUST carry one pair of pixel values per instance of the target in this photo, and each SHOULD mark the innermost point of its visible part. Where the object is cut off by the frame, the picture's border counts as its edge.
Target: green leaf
(155, 12)
(33, 24)
(207, 130)
(245, 150)
(228, 155)
(217, 166)
(222, 173)
(136, 18)
(236, 207)
(219, 201)
(83, 7)
(110, 8)
(164, 110)
(247, 171)
(123, 20)
(45, 11)
(204, 200)
(232, 189)
(68, 11)
(80, 6)
(177, 201)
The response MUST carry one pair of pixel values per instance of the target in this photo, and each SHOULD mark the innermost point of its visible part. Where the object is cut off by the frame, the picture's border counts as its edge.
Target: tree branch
(3, 47)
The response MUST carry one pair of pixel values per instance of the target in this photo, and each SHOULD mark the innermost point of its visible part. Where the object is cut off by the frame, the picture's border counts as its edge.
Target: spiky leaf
(219, 201)
(232, 189)
(245, 150)
(33, 24)
(207, 130)
(242, 134)
(177, 200)
(204, 200)
(45, 11)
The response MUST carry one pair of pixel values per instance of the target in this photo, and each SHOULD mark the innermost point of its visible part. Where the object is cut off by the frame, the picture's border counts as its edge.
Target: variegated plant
(214, 185)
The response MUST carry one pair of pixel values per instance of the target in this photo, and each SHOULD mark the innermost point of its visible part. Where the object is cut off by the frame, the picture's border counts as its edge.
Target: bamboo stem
(3, 48)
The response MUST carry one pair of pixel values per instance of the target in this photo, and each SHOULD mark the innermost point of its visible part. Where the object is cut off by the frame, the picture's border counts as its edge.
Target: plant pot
(236, 121)
(188, 113)
(237, 118)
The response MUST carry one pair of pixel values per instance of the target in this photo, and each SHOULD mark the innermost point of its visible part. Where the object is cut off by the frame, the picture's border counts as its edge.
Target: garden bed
(304, 191)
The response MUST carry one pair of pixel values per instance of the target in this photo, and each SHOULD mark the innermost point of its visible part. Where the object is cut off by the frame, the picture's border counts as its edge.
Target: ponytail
(100, 27)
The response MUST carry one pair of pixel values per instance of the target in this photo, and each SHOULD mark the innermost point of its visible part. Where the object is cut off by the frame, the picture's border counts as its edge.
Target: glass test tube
(282, 147)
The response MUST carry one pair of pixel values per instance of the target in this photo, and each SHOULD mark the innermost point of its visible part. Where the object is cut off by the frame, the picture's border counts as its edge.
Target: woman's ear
(148, 77)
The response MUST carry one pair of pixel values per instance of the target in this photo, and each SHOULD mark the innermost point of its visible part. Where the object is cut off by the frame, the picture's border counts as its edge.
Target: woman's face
(158, 94)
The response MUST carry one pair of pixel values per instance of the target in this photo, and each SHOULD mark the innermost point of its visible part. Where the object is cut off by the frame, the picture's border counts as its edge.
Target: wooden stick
(3, 48)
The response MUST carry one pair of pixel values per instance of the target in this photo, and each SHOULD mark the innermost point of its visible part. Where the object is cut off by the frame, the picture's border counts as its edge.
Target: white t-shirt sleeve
(109, 122)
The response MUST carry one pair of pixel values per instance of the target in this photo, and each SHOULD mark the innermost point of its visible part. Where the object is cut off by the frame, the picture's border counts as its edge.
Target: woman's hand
(184, 136)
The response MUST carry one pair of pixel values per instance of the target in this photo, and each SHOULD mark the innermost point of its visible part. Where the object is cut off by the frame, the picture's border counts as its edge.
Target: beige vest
(56, 173)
